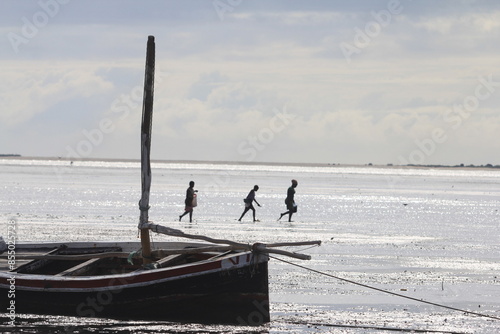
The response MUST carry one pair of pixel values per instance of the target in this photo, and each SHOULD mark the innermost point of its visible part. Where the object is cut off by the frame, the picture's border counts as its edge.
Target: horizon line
(224, 162)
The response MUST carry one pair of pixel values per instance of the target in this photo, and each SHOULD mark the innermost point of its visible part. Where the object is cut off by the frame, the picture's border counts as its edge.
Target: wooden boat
(215, 281)
(202, 284)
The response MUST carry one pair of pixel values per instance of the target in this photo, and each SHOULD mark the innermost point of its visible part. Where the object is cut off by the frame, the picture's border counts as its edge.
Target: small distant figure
(290, 202)
(190, 202)
(249, 203)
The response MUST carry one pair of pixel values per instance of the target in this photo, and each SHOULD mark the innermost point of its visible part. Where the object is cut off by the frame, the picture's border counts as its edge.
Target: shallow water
(430, 234)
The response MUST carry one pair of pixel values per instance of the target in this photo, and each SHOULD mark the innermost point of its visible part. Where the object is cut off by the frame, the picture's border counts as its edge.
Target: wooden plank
(171, 260)
(37, 263)
(80, 268)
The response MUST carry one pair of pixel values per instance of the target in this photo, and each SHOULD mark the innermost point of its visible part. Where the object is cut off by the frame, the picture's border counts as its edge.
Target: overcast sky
(263, 81)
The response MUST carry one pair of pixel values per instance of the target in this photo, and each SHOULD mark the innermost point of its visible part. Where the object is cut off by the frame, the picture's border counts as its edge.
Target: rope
(143, 208)
(132, 255)
(152, 241)
(304, 249)
(388, 292)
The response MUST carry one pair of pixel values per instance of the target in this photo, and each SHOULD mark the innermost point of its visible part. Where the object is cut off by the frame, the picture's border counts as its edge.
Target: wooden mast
(147, 118)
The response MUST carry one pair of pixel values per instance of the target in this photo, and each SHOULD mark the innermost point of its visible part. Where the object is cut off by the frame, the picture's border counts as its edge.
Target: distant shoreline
(250, 163)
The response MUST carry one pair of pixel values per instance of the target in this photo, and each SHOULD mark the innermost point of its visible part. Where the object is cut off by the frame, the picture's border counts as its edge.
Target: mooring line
(388, 292)
(304, 249)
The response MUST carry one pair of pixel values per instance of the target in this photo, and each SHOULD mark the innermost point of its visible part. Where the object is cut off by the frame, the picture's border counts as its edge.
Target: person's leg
(191, 216)
(244, 212)
(284, 213)
(290, 216)
(253, 212)
(185, 213)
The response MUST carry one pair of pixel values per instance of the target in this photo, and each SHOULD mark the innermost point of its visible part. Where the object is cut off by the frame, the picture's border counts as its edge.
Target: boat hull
(229, 289)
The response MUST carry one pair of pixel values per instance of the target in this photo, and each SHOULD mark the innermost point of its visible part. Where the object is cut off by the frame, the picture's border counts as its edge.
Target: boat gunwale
(125, 244)
(138, 278)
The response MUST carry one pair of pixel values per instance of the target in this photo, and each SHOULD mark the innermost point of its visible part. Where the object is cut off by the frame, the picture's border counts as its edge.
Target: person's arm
(292, 195)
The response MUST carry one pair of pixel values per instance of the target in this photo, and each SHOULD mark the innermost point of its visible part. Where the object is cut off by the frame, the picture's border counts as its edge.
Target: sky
(285, 81)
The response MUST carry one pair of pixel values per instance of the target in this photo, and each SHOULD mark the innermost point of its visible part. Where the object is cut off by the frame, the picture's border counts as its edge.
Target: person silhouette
(249, 202)
(290, 201)
(190, 196)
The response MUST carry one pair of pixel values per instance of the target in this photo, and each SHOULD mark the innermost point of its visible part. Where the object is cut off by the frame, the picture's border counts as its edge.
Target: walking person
(290, 201)
(249, 203)
(190, 202)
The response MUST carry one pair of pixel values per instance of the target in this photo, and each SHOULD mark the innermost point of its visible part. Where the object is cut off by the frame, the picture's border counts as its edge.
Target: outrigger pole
(147, 119)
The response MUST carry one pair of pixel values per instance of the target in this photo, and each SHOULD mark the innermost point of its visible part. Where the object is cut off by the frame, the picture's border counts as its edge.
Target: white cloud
(223, 79)
(31, 90)
(470, 22)
(291, 18)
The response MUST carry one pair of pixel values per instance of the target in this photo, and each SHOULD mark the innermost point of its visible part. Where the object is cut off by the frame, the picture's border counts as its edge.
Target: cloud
(27, 92)
(215, 110)
(223, 79)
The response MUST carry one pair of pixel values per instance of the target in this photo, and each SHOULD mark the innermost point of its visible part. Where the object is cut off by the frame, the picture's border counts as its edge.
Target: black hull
(236, 296)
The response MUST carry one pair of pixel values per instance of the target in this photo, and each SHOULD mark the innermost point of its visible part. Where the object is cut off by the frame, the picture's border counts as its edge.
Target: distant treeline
(10, 155)
(458, 166)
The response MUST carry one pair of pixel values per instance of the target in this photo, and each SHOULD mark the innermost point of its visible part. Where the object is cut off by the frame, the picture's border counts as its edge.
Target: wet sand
(426, 233)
